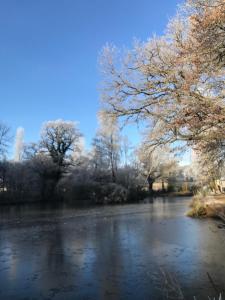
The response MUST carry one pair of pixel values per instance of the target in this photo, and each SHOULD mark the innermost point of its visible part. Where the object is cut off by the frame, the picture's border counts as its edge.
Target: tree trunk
(113, 176)
(163, 185)
(150, 184)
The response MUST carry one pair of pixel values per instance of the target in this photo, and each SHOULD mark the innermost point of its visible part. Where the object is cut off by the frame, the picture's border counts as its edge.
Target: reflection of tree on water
(55, 250)
(57, 269)
(109, 262)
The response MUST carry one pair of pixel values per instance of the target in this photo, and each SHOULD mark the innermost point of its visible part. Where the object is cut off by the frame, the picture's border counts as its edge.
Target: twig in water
(171, 287)
(213, 284)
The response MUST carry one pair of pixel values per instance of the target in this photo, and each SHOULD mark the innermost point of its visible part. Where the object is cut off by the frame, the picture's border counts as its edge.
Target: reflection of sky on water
(107, 252)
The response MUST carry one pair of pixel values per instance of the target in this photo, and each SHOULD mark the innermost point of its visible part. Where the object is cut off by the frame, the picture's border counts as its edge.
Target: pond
(109, 252)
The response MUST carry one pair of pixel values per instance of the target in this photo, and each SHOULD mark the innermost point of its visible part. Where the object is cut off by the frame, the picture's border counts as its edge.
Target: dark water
(113, 252)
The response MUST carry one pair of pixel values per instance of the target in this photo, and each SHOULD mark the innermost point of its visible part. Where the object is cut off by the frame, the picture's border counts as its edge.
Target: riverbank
(212, 206)
(134, 197)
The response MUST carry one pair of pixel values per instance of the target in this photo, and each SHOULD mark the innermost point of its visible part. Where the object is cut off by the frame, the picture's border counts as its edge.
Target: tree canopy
(175, 80)
(174, 83)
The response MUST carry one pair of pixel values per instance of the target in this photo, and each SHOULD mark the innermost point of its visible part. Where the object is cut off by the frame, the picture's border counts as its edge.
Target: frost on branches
(174, 83)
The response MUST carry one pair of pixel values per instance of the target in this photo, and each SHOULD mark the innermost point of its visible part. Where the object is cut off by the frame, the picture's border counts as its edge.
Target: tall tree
(176, 82)
(106, 145)
(19, 144)
(4, 139)
(59, 138)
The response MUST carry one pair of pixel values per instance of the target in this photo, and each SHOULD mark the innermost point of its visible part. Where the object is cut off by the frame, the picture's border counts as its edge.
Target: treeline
(59, 168)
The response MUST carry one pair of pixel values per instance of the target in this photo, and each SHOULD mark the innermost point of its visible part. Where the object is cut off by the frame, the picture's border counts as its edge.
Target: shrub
(110, 193)
(198, 208)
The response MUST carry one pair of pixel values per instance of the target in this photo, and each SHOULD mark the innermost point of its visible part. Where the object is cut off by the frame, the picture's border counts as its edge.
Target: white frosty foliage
(59, 125)
(19, 144)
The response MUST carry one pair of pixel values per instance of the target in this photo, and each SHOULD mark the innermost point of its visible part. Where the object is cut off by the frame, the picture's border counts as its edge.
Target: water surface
(111, 252)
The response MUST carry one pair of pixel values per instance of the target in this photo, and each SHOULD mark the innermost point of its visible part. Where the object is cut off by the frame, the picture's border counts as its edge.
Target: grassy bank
(212, 206)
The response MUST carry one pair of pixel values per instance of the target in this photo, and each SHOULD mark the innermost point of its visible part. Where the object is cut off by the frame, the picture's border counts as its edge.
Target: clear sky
(49, 51)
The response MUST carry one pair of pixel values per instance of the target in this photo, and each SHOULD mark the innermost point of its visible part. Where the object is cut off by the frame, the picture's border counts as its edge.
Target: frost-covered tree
(4, 139)
(79, 152)
(106, 145)
(155, 164)
(126, 147)
(174, 83)
(19, 144)
(60, 138)
(31, 150)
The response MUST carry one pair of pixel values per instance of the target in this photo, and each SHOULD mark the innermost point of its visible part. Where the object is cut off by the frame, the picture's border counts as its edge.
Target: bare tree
(157, 164)
(4, 139)
(59, 138)
(107, 145)
(176, 82)
(126, 147)
(31, 150)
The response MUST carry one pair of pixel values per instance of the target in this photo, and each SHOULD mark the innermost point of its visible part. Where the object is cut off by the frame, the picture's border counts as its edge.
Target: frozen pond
(111, 252)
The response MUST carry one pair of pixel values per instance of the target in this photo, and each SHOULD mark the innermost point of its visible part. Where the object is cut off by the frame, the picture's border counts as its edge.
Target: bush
(198, 207)
(137, 193)
(110, 193)
(93, 192)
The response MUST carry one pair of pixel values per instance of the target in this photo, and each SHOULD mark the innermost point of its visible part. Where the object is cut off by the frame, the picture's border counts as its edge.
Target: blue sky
(49, 55)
